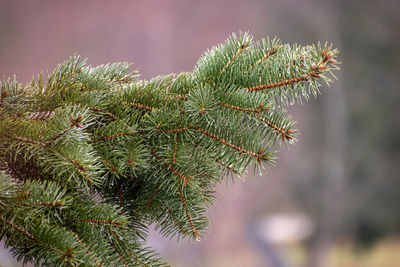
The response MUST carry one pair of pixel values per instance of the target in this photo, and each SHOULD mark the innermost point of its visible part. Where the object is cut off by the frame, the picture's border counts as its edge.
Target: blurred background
(334, 198)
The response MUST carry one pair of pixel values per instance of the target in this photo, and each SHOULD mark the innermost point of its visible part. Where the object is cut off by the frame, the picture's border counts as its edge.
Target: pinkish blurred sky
(159, 37)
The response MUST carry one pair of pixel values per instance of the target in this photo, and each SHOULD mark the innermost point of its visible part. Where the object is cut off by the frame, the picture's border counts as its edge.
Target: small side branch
(86, 176)
(140, 106)
(113, 246)
(285, 134)
(178, 129)
(103, 138)
(186, 180)
(119, 255)
(224, 142)
(109, 114)
(238, 52)
(227, 167)
(159, 128)
(110, 221)
(101, 111)
(19, 229)
(173, 217)
(176, 97)
(152, 196)
(74, 123)
(54, 204)
(180, 175)
(267, 55)
(78, 167)
(194, 230)
(125, 79)
(282, 83)
(24, 140)
(66, 255)
(255, 110)
(175, 149)
(99, 264)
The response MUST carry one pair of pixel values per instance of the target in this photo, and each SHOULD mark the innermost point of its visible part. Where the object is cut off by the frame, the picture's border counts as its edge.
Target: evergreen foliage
(89, 157)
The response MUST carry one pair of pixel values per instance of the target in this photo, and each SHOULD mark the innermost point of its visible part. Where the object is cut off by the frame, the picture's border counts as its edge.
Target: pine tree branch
(24, 140)
(115, 151)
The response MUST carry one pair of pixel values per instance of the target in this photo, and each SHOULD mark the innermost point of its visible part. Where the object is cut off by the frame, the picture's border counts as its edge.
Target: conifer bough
(90, 156)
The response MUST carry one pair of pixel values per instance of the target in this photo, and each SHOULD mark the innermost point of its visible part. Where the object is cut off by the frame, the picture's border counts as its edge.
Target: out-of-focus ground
(333, 199)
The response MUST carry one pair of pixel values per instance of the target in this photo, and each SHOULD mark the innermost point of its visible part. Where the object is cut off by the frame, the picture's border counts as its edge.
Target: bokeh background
(334, 198)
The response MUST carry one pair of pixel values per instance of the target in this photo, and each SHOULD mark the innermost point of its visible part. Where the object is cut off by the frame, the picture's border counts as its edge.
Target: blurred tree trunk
(333, 178)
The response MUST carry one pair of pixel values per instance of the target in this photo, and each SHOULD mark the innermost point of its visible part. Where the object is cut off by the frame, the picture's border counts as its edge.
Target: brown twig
(152, 196)
(110, 221)
(285, 82)
(24, 139)
(183, 200)
(284, 133)
(140, 106)
(267, 55)
(223, 141)
(99, 264)
(238, 52)
(173, 170)
(256, 110)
